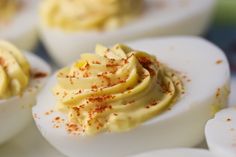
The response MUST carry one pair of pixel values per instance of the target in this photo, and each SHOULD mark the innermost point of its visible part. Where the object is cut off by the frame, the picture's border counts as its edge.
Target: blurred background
(222, 31)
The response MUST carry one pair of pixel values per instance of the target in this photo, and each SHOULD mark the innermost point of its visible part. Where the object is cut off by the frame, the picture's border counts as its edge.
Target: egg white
(15, 112)
(182, 125)
(221, 133)
(181, 152)
(161, 17)
(22, 29)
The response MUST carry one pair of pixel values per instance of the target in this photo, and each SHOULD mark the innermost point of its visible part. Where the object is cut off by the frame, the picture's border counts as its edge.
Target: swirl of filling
(77, 15)
(14, 71)
(8, 9)
(115, 89)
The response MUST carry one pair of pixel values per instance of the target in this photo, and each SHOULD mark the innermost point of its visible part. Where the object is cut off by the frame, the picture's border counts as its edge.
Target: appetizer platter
(118, 89)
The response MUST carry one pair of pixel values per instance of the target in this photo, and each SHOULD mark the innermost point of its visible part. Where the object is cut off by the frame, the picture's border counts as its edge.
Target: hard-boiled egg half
(221, 133)
(122, 101)
(65, 28)
(22, 75)
(18, 22)
(181, 152)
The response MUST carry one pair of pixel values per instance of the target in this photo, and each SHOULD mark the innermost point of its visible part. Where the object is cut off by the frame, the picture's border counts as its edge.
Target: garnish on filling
(115, 89)
(79, 15)
(8, 8)
(14, 71)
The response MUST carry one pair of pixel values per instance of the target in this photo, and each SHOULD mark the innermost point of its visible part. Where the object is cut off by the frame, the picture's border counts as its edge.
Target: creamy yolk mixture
(8, 8)
(82, 15)
(14, 71)
(115, 89)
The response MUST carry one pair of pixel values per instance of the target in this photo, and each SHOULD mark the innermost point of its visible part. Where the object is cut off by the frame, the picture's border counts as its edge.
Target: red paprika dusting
(94, 87)
(218, 92)
(100, 98)
(57, 118)
(48, 112)
(86, 75)
(111, 65)
(72, 128)
(219, 61)
(154, 102)
(96, 62)
(39, 75)
(2, 61)
(79, 92)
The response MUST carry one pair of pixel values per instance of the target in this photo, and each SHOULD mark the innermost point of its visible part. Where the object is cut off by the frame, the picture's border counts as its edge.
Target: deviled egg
(76, 26)
(21, 78)
(221, 133)
(18, 22)
(122, 100)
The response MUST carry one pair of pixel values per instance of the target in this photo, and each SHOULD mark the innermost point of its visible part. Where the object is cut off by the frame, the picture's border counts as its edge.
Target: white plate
(30, 143)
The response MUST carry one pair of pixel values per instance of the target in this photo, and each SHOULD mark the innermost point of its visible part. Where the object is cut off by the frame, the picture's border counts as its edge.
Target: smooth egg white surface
(160, 17)
(221, 133)
(181, 152)
(181, 126)
(15, 112)
(22, 29)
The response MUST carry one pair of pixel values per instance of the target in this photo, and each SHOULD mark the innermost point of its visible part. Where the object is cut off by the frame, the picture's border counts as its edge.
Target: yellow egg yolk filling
(14, 71)
(115, 89)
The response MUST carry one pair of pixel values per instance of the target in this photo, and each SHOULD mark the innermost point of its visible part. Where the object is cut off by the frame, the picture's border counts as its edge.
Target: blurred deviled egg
(76, 26)
(122, 100)
(18, 22)
(221, 133)
(21, 78)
